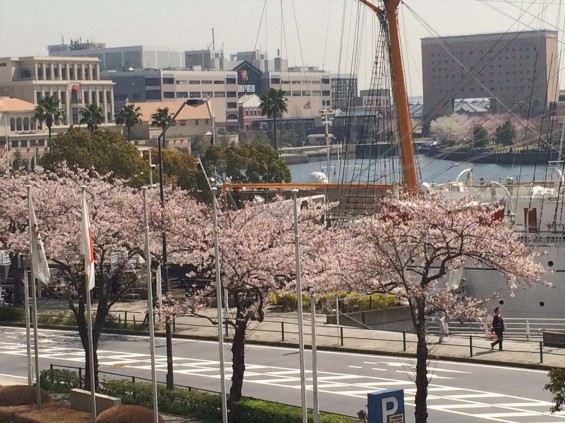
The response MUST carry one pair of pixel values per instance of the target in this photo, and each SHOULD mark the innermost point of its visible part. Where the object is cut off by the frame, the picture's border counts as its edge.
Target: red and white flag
(87, 245)
(39, 263)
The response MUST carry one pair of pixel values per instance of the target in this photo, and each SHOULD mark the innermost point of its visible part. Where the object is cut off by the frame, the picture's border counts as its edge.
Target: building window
(325, 81)
(168, 94)
(232, 94)
(219, 94)
(12, 124)
(182, 94)
(207, 82)
(230, 81)
(275, 80)
(232, 105)
(168, 81)
(194, 82)
(23, 143)
(26, 124)
(326, 93)
(195, 94)
(152, 82)
(218, 82)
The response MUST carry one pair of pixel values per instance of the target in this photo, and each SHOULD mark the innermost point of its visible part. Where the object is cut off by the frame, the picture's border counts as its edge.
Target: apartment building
(517, 71)
(74, 81)
(219, 87)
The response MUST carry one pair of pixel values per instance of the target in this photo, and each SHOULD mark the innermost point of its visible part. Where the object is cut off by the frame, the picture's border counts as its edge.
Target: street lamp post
(164, 269)
(326, 122)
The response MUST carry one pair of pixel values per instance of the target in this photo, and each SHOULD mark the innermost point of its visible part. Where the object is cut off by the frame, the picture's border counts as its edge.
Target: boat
(535, 209)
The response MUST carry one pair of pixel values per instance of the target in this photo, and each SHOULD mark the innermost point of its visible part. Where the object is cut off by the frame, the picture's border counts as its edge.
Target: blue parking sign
(386, 406)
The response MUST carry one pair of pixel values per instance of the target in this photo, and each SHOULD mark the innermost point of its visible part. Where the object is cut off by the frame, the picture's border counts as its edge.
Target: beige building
(21, 140)
(307, 90)
(518, 71)
(191, 121)
(219, 87)
(74, 81)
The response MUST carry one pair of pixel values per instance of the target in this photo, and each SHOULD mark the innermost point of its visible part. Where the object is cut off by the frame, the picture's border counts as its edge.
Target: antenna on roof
(213, 40)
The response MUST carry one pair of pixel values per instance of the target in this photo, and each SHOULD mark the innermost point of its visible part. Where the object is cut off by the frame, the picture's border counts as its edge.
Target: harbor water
(429, 170)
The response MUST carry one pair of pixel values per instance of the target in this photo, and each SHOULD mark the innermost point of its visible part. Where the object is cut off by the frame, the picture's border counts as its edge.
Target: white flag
(39, 263)
(87, 246)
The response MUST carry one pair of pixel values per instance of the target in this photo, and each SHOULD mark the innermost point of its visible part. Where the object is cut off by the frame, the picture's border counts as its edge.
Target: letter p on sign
(386, 406)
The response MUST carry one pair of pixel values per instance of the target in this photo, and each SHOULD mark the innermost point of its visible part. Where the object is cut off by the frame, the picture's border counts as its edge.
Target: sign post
(386, 406)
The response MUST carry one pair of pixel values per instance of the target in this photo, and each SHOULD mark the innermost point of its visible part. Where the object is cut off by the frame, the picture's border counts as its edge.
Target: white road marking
(450, 399)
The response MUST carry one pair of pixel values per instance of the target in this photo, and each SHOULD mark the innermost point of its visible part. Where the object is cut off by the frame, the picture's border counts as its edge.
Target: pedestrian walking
(498, 328)
(443, 326)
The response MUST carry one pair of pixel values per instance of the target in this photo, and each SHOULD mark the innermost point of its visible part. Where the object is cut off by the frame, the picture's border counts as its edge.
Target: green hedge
(258, 411)
(59, 380)
(349, 302)
(12, 314)
(201, 405)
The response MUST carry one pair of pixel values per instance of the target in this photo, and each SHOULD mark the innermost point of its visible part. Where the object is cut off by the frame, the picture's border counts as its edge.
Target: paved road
(462, 392)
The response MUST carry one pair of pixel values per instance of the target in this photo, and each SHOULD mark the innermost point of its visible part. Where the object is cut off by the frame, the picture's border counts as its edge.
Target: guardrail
(516, 328)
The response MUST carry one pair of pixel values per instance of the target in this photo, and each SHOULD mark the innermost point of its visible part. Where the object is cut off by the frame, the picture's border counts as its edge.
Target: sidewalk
(281, 328)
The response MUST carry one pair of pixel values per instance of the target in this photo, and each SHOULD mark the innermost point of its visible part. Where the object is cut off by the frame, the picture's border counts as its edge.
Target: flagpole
(89, 321)
(219, 308)
(28, 329)
(300, 311)
(34, 300)
(150, 310)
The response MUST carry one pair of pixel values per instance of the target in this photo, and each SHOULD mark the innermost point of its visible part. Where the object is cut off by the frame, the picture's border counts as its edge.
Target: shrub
(127, 414)
(257, 411)
(326, 303)
(204, 406)
(12, 314)
(20, 395)
(176, 401)
(62, 318)
(59, 380)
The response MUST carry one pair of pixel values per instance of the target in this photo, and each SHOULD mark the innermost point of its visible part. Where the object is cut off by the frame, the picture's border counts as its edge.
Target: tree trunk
(82, 325)
(238, 359)
(275, 129)
(421, 412)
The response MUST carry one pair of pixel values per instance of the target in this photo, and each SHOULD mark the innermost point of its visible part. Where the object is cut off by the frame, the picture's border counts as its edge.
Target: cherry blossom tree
(452, 129)
(116, 212)
(413, 242)
(257, 258)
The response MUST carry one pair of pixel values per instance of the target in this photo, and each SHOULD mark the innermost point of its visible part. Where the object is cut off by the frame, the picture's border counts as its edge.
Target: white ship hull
(538, 214)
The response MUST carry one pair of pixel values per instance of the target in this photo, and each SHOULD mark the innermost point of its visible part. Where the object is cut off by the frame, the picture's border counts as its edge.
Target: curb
(535, 366)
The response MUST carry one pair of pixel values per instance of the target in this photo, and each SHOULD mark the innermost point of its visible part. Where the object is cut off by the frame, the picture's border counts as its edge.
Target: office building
(517, 71)
(74, 81)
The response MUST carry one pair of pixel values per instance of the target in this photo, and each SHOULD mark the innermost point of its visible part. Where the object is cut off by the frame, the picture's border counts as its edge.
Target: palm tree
(161, 119)
(273, 102)
(49, 110)
(92, 116)
(129, 117)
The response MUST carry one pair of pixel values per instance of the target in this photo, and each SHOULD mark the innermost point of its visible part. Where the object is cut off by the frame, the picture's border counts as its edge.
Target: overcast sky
(309, 32)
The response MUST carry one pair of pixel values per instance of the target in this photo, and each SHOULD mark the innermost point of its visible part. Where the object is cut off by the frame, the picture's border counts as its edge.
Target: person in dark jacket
(498, 328)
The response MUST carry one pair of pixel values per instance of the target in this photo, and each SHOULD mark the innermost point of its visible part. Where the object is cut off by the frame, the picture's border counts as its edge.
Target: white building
(74, 81)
